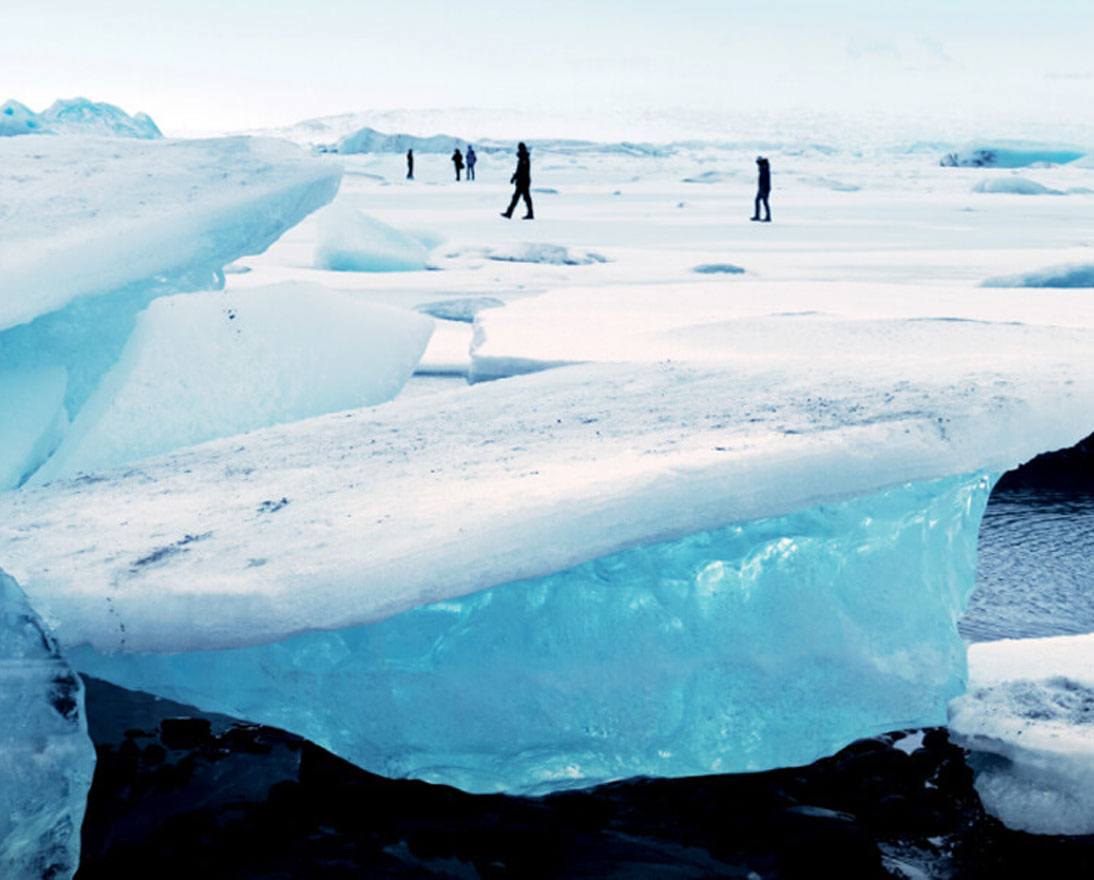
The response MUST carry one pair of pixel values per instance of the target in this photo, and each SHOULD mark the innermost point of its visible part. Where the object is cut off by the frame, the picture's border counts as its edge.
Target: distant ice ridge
(1077, 275)
(762, 644)
(76, 116)
(1028, 718)
(46, 756)
(95, 230)
(1012, 154)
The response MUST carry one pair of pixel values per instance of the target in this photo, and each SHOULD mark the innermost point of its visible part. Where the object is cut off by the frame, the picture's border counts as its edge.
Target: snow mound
(352, 241)
(541, 252)
(1010, 156)
(77, 116)
(1021, 186)
(207, 365)
(463, 309)
(1028, 718)
(46, 756)
(1076, 275)
(718, 269)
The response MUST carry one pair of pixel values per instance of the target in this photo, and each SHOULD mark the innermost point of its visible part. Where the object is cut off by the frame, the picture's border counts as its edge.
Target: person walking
(457, 160)
(471, 160)
(409, 164)
(522, 177)
(763, 190)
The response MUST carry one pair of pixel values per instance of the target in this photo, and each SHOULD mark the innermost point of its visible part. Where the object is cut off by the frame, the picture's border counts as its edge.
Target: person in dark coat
(522, 177)
(409, 164)
(457, 160)
(763, 191)
(471, 159)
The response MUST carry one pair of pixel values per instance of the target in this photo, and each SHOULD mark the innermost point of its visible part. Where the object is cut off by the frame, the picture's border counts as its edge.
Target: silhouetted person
(457, 160)
(409, 164)
(763, 191)
(522, 177)
(471, 160)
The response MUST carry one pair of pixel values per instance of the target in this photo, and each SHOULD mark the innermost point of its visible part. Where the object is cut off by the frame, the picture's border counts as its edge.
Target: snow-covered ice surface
(1028, 717)
(377, 579)
(46, 756)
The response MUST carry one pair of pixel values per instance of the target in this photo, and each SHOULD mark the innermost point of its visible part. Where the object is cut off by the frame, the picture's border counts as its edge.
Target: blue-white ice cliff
(46, 756)
(76, 116)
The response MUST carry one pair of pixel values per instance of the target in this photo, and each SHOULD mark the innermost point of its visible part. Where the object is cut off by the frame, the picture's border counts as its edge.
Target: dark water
(1036, 569)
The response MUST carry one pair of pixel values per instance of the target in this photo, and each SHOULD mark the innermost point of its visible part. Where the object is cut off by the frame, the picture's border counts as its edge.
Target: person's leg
(756, 211)
(528, 201)
(767, 210)
(508, 212)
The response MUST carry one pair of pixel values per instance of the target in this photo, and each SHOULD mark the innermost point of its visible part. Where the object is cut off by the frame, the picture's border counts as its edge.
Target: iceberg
(77, 116)
(1011, 155)
(352, 241)
(1018, 186)
(94, 230)
(1028, 719)
(46, 756)
(552, 581)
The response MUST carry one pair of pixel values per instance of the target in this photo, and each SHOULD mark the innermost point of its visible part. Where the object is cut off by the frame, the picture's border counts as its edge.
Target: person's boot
(767, 219)
(506, 215)
(527, 217)
(757, 217)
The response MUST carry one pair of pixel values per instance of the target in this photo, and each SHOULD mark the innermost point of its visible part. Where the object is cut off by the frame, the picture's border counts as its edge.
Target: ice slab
(46, 756)
(85, 216)
(214, 364)
(32, 420)
(1077, 275)
(763, 321)
(757, 645)
(1020, 186)
(352, 241)
(1028, 718)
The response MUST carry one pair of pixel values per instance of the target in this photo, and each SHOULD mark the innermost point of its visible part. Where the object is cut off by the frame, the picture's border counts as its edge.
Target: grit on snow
(673, 392)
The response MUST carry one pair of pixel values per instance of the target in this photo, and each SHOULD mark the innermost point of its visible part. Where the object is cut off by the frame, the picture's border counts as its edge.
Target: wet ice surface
(1035, 576)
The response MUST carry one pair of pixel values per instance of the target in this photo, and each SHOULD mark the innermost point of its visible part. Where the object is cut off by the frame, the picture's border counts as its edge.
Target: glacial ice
(214, 364)
(76, 116)
(46, 756)
(641, 662)
(32, 420)
(1011, 155)
(92, 231)
(352, 241)
(1028, 718)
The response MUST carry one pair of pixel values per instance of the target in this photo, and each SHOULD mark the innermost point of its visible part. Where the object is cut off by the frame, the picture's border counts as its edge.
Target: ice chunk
(542, 252)
(46, 756)
(718, 269)
(1078, 275)
(213, 364)
(463, 309)
(32, 420)
(352, 241)
(757, 645)
(1011, 155)
(16, 118)
(1028, 718)
(1021, 186)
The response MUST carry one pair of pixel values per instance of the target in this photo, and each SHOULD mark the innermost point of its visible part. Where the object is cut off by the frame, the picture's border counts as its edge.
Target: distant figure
(471, 159)
(522, 177)
(457, 160)
(409, 164)
(763, 191)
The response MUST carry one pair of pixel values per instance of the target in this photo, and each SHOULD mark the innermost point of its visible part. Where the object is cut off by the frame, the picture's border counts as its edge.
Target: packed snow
(1028, 718)
(46, 756)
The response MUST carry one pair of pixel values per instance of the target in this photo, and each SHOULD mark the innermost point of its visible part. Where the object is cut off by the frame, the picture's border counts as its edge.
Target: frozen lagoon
(616, 475)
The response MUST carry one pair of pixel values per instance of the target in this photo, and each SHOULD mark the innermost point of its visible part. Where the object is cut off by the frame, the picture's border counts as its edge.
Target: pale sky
(233, 64)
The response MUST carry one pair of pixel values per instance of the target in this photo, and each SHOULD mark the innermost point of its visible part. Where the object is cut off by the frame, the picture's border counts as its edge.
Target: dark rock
(185, 733)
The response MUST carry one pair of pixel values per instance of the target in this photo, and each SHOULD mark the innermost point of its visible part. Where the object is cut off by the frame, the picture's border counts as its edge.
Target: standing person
(471, 159)
(409, 164)
(522, 177)
(763, 190)
(457, 160)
